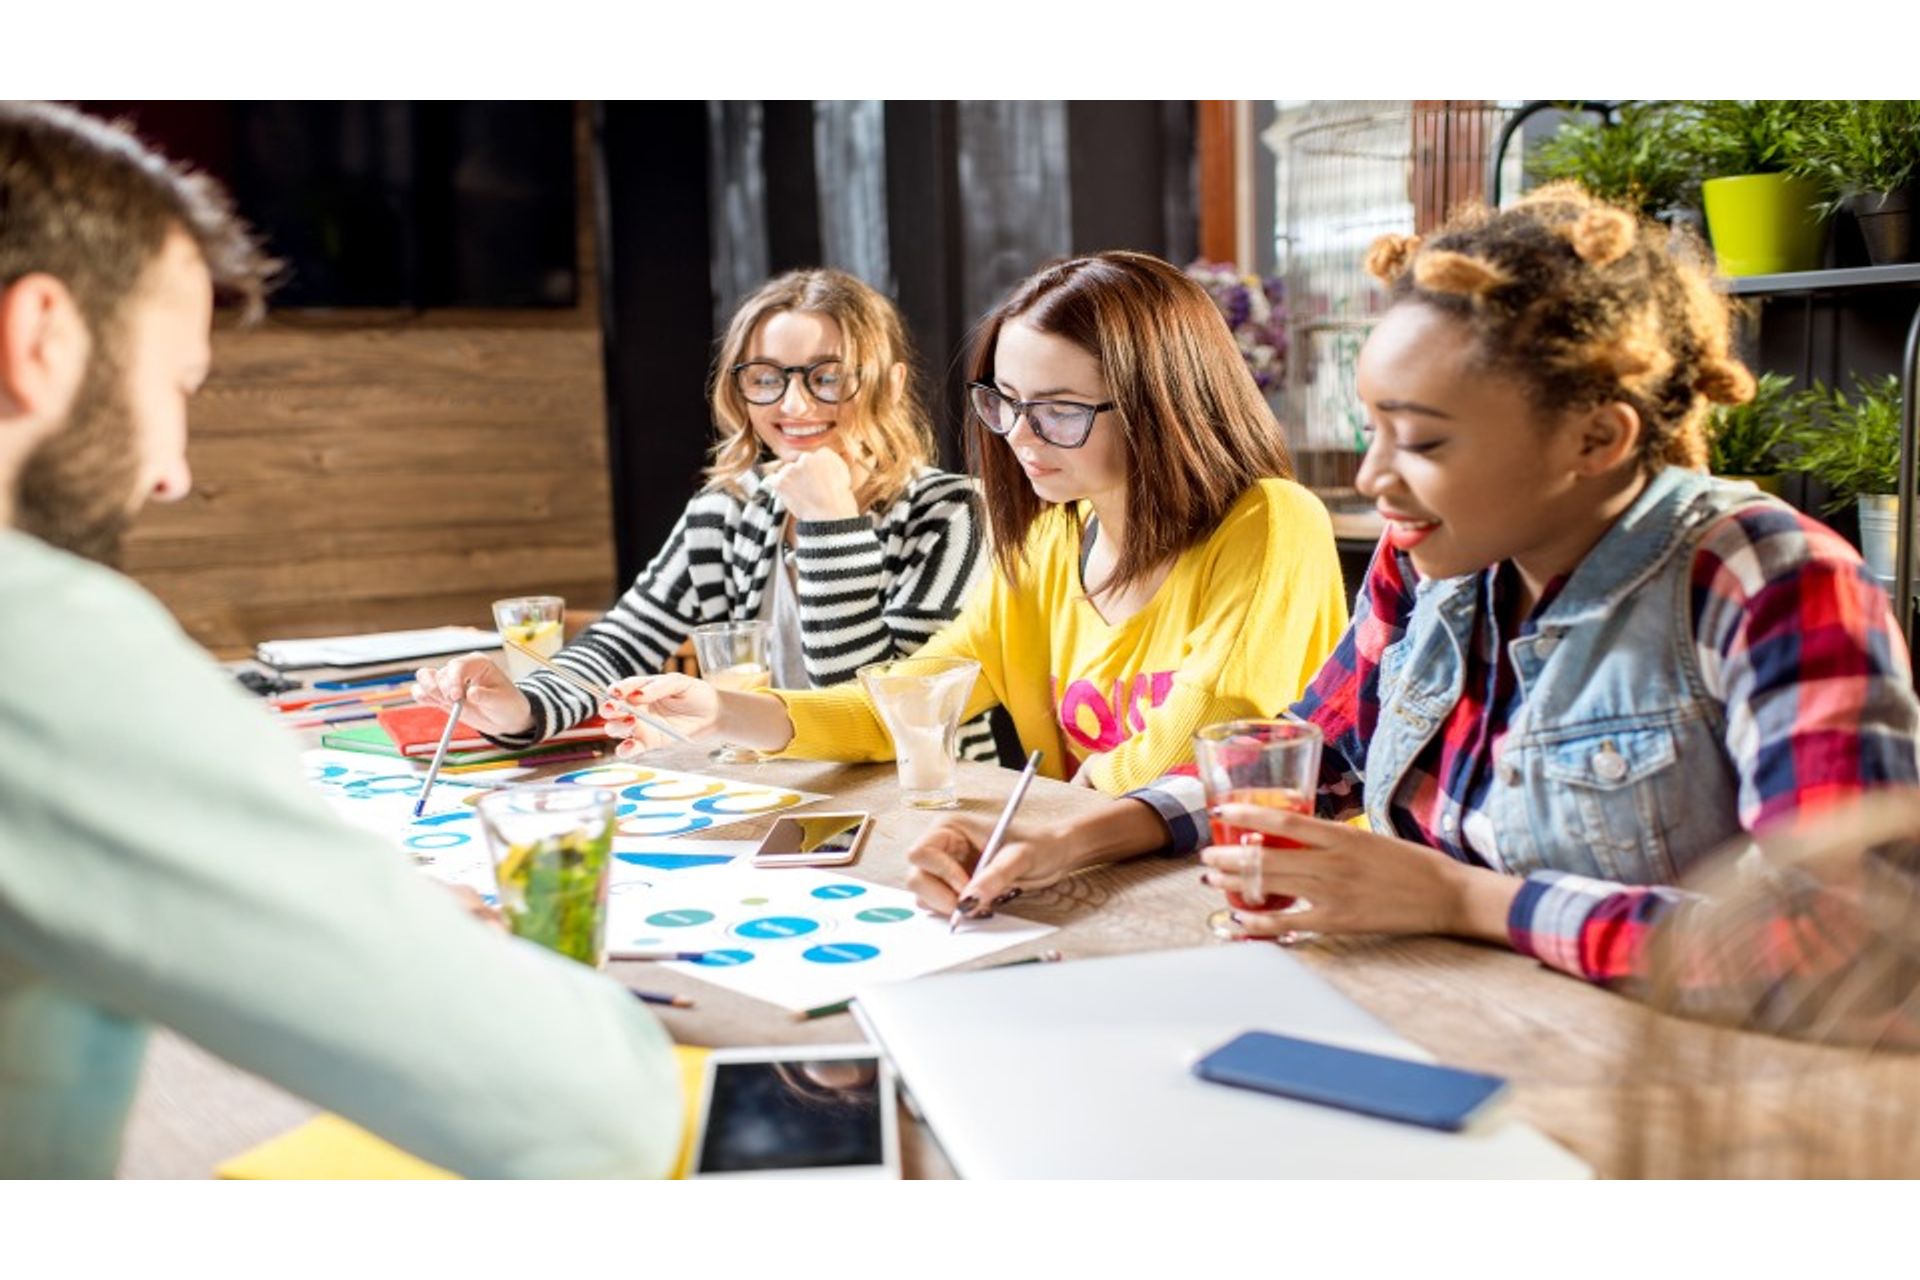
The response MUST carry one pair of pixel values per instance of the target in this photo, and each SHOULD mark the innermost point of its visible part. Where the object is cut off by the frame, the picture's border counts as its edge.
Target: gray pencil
(999, 831)
(439, 756)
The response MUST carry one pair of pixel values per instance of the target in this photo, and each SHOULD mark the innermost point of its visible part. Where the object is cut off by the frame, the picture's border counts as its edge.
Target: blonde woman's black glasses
(764, 382)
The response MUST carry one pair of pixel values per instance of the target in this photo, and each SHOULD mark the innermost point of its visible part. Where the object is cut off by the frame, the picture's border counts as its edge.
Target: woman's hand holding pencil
(493, 704)
(638, 709)
(944, 860)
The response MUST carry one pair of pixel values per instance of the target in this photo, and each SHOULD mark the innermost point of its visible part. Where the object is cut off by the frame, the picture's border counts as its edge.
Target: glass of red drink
(1271, 763)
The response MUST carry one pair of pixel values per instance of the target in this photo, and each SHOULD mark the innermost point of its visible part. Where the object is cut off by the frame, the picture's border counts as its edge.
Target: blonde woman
(821, 515)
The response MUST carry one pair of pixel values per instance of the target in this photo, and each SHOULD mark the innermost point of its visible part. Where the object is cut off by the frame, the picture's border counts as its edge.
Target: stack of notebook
(412, 733)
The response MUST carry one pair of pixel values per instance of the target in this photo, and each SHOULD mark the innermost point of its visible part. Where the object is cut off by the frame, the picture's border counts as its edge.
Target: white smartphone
(814, 840)
(798, 1111)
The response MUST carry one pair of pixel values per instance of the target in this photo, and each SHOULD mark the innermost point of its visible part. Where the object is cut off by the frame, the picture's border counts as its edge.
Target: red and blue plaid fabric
(1793, 637)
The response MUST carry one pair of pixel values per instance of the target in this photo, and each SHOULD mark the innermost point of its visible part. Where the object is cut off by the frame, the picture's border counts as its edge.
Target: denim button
(1510, 774)
(1546, 644)
(1608, 764)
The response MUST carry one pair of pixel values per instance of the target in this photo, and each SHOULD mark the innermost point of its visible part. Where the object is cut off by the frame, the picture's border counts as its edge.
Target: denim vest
(1615, 763)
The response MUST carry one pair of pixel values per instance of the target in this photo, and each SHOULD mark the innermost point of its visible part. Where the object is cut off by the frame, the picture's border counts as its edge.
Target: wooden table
(1568, 1047)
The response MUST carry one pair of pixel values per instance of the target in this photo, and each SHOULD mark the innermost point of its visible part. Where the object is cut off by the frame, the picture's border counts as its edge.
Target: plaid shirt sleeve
(1799, 643)
(1343, 700)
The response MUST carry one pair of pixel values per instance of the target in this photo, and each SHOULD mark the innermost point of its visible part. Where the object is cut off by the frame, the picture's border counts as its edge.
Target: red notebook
(416, 731)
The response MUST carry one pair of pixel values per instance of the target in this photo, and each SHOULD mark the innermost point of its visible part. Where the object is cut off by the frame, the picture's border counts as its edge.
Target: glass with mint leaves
(551, 848)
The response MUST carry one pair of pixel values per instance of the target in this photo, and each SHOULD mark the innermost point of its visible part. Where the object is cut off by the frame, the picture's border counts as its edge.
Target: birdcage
(1353, 171)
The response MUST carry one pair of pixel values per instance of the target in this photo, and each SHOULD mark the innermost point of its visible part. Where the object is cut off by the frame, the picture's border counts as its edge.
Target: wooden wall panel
(350, 480)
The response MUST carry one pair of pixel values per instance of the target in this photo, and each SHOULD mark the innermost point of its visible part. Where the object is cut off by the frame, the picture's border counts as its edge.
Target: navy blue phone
(1370, 1083)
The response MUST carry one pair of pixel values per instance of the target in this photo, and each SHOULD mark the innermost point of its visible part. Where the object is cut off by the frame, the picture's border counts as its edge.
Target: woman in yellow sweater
(1155, 569)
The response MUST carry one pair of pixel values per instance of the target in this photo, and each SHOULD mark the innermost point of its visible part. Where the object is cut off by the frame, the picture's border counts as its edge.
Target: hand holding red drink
(1273, 764)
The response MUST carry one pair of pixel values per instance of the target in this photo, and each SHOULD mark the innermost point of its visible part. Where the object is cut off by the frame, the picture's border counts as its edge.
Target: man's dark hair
(85, 201)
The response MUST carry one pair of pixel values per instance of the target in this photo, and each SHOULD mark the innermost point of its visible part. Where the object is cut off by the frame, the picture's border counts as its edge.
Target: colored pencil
(589, 687)
(362, 682)
(999, 831)
(439, 756)
(657, 955)
(320, 722)
(661, 997)
(841, 1006)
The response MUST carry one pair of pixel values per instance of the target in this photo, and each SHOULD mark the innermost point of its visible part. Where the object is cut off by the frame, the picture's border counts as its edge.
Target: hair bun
(1388, 256)
(1724, 382)
(1445, 271)
(1602, 236)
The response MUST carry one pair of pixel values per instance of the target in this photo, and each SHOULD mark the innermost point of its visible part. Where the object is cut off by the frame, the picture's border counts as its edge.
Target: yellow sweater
(1238, 628)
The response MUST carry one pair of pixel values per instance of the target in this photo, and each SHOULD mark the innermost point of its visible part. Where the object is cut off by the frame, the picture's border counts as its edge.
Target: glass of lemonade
(1271, 763)
(921, 701)
(733, 656)
(552, 847)
(533, 621)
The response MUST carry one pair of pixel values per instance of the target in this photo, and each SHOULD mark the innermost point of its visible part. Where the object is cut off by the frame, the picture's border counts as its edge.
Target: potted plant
(1761, 218)
(1851, 444)
(1637, 161)
(1748, 442)
(1866, 154)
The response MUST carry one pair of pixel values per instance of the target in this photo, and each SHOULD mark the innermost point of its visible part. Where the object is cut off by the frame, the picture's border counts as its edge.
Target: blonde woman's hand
(493, 704)
(816, 485)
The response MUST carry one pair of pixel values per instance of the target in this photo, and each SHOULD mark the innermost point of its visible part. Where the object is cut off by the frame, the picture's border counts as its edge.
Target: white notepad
(382, 646)
(1083, 1069)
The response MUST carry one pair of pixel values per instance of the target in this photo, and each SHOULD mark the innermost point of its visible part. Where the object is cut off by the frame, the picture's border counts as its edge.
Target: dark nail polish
(967, 903)
(984, 915)
(1011, 894)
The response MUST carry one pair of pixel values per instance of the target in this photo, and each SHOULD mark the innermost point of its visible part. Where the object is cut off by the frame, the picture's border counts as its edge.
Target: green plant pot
(1763, 223)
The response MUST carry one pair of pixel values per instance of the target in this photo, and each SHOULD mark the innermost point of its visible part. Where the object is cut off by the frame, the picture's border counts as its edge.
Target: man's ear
(1609, 437)
(44, 345)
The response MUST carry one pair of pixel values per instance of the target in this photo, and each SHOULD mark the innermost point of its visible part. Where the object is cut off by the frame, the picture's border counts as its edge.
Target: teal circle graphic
(681, 918)
(885, 915)
(777, 927)
(840, 953)
(839, 891)
(722, 959)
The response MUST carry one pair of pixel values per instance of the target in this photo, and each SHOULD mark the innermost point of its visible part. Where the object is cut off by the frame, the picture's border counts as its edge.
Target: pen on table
(999, 831)
(841, 1006)
(599, 694)
(363, 682)
(694, 956)
(439, 755)
(661, 997)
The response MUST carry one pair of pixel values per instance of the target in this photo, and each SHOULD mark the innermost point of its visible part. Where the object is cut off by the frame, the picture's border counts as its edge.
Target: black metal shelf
(1842, 280)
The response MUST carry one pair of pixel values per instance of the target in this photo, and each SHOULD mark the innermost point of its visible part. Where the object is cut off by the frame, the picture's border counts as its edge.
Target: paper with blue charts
(445, 841)
(794, 936)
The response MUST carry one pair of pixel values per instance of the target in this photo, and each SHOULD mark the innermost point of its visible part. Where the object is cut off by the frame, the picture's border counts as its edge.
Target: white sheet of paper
(383, 646)
(794, 936)
(447, 843)
(377, 794)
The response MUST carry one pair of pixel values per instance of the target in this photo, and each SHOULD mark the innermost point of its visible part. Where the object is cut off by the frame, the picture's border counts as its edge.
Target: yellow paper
(329, 1147)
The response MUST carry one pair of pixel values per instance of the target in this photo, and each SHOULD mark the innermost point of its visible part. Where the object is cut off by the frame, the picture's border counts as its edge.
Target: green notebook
(374, 741)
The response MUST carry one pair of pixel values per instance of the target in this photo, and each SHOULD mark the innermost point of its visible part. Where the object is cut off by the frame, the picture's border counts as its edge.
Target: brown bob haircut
(88, 203)
(1197, 432)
